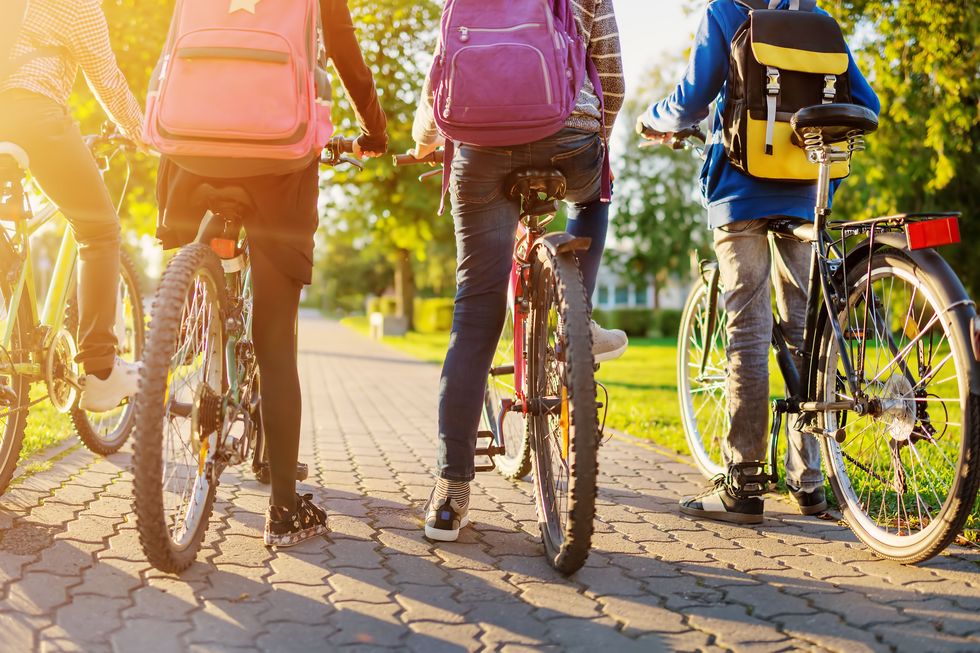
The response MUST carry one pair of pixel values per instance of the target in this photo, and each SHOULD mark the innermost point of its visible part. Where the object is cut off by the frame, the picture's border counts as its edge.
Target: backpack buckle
(829, 88)
(772, 81)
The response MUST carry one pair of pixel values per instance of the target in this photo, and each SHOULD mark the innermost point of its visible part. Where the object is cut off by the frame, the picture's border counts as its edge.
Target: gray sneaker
(447, 511)
(608, 344)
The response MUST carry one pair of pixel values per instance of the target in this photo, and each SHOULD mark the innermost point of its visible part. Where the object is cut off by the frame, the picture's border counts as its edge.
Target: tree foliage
(658, 214)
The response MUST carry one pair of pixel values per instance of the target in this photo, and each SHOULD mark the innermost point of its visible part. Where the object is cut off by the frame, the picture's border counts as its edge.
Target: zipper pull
(464, 34)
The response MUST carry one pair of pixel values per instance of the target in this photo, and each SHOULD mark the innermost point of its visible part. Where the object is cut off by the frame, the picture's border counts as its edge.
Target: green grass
(46, 427)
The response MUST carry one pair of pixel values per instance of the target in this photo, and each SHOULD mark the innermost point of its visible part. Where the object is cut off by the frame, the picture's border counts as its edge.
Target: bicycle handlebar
(336, 150)
(435, 157)
(679, 140)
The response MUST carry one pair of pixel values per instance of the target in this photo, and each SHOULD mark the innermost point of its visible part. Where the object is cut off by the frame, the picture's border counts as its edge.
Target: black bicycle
(199, 405)
(890, 383)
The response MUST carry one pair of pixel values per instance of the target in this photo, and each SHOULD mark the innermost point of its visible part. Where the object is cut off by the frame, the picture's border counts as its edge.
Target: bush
(433, 315)
(641, 322)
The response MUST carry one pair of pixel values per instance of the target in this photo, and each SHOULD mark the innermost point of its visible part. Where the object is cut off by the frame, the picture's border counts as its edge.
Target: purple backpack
(508, 72)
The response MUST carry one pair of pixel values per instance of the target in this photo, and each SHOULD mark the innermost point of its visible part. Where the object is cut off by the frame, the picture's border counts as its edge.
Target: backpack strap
(605, 185)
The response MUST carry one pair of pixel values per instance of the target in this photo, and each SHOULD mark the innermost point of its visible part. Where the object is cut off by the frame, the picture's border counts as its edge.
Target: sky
(651, 29)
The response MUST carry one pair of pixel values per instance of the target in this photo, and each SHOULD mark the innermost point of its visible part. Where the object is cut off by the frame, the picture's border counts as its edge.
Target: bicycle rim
(902, 474)
(564, 433)
(702, 394)
(516, 461)
(106, 432)
(13, 418)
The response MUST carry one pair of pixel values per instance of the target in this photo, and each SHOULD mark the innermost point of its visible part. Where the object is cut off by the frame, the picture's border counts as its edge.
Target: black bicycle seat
(835, 121)
(538, 189)
(222, 199)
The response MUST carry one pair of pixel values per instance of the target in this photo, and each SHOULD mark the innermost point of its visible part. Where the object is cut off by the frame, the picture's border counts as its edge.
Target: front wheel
(906, 473)
(563, 415)
(15, 389)
(179, 410)
(104, 433)
(702, 373)
(515, 462)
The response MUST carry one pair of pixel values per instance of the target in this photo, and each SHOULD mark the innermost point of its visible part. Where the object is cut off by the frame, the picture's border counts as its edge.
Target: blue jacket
(731, 195)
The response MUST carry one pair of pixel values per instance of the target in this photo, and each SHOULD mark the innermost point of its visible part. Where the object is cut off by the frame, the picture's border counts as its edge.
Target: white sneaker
(608, 344)
(100, 395)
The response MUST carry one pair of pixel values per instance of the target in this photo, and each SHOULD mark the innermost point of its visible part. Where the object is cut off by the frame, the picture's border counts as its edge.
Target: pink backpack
(508, 72)
(241, 88)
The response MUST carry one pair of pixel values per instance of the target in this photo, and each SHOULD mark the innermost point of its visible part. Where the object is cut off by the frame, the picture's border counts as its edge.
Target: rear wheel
(179, 410)
(104, 433)
(906, 473)
(15, 398)
(515, 462)
(702, 370)
(564, 425)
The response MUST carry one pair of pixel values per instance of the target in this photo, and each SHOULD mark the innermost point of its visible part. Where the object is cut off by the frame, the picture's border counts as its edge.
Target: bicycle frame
(52, 314)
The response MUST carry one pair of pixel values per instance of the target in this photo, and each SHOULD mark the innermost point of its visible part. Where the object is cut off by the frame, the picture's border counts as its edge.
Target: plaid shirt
(58, 37)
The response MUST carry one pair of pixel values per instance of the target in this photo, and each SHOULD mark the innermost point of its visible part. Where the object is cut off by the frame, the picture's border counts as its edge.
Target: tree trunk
(656, 293)
(405, 286)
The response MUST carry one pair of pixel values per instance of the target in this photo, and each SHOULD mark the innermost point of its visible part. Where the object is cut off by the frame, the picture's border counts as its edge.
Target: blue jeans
(486, 222)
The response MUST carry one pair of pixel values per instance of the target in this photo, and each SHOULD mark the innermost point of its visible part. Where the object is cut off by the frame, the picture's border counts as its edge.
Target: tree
(388, 205)
(658, 213)
(923, 60)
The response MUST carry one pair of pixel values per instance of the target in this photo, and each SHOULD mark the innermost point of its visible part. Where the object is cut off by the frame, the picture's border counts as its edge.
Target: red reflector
(933, 233)
(223, 247)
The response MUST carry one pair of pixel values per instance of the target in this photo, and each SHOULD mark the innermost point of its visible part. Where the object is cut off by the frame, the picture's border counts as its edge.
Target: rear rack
(889, 222)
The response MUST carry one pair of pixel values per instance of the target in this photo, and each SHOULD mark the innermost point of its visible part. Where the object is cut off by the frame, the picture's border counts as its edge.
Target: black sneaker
(813, 502)
(721, 503)
(447, 510)
(284, 528)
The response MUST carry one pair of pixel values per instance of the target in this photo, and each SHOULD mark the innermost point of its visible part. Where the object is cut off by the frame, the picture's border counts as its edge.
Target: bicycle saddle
(222, 199)
(539, 188)
(13, 160)
(835, 121)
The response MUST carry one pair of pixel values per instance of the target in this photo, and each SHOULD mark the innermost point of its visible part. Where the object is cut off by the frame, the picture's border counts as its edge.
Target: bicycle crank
(60, 370)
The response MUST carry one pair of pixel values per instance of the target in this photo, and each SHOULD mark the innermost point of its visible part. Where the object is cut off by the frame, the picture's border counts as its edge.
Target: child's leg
(589, 220)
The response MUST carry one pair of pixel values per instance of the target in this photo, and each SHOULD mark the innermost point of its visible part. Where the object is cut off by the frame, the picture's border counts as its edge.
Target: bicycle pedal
(488, 451)
(302, 471)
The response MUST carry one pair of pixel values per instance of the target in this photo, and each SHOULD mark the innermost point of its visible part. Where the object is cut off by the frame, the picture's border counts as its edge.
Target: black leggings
(276, 306)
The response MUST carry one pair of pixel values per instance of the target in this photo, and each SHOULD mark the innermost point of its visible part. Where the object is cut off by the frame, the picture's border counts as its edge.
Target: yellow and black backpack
(781, 61)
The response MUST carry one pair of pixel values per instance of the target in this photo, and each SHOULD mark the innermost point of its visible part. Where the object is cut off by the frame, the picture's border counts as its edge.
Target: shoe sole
(296, 538)
(813, 510)
(610, 355)
(730, 517)
(443, 535)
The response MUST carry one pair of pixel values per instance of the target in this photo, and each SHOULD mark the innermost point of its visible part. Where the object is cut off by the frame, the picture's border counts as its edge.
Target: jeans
(67, 173)
(747, 262)
(486, 222)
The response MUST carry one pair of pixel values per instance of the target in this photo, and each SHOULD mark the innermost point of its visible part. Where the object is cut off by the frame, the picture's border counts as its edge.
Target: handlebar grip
(435, 157)
(691, 132)
(342, 145)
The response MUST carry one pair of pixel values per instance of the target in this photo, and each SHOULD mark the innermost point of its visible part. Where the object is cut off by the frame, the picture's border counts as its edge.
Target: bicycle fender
(949, 289)
(559, 242)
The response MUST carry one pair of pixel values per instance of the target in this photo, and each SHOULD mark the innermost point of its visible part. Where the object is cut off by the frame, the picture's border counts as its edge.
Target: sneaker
(100, 395)
(721, 502)
(813, 502)
(284, 528)
(447, 510)
(608, 344)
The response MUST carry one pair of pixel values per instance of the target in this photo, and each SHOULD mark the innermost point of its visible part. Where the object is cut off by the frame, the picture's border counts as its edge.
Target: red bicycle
(541, 392)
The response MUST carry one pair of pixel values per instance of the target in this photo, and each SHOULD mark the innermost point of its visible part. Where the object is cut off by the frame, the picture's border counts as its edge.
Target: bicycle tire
(14, 427)
(515, 462)
(939, 531)
(87, 425)
(557, 282)
(691, 340)
(165, 331)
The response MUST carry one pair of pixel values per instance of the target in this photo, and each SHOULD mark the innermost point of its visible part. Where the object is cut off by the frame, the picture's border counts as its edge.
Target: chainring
(61, 371)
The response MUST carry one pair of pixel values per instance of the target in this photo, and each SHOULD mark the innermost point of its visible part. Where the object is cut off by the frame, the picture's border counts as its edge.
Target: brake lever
(430, 174)
(351, 161)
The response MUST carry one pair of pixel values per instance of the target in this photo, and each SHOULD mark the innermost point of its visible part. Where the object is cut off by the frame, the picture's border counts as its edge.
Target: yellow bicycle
(37, 344)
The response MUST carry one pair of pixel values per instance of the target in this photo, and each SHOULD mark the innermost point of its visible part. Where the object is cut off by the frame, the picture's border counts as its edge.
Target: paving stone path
(72, 576)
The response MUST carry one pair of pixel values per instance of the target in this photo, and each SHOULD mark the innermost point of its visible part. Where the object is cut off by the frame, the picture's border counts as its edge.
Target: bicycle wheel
(179, 409)
(702, 370)
(104, 433)
(906, 473)
(564, 420)
(515, 463)
(13, 409)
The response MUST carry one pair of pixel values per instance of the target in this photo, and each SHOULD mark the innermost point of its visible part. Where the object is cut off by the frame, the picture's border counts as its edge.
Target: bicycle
(39, 345)
(541, 391)
(199, 406)
(890, 380)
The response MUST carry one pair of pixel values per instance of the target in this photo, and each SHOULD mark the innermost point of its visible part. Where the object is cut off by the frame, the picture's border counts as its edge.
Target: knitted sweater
(597, 24)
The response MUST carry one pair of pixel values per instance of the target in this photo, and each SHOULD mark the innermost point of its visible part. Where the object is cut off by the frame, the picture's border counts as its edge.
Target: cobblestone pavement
(72, 576)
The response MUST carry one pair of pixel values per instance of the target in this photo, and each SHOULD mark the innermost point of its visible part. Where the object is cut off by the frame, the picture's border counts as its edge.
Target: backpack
(12, 14)
(781, 61)
(241, 88)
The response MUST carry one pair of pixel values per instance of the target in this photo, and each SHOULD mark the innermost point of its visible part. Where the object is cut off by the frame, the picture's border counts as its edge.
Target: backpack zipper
(464, 32)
